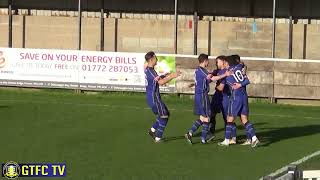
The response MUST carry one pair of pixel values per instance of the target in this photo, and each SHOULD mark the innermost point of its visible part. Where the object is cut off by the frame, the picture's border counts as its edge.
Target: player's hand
(228, 73)
(215, 78)
(176, 74)
(166, 74)
(236, 86)
(209, 76)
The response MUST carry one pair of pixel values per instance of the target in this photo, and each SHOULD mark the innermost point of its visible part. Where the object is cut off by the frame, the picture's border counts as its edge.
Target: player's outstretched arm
(163, 76)
(169, 77)
(217, 78)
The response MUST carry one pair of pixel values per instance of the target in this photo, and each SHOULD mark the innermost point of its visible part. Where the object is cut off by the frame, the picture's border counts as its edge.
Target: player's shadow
(173, 138)
(4, 107)
(278, 134)
(268, 136)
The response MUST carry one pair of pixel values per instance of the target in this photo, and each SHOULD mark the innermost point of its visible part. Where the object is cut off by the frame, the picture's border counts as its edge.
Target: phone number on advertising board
(104, 68)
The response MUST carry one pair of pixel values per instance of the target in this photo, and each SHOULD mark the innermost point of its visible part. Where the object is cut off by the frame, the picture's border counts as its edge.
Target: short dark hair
(236, 57)
(149, 55)
(221, 57)
(203, 57)
(232, 61)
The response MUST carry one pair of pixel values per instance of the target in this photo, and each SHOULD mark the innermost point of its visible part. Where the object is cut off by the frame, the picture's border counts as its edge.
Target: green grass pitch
(104, 137)
(312, 164)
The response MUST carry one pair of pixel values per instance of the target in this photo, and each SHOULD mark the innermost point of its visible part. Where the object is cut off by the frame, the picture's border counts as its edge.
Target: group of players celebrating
(230, 99)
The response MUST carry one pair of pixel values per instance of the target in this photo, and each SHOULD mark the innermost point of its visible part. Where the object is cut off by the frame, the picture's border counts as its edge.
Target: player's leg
(201, 108)
(197, 111)
(244, 120)
(154, 127)
(251, 134)
(250, 131)
(212, 123)
(216, 106)
(225, 114)
(163, 120)
(212, 127)
(195, 126)
(193, 129)
(224, 111)
(228, 131)
(234, 106)
(233, 133)
(205, 129)
(205, 117)
(163, 113)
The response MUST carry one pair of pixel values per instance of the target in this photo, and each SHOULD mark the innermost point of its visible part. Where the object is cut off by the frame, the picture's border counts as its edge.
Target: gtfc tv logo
(13, 170)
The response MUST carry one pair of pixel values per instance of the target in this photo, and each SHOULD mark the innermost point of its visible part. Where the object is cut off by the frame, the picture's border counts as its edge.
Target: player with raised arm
(153, 80)
(201, 100)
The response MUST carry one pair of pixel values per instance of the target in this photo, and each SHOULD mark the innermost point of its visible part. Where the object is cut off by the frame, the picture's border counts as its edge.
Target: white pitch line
(143, 108)
(298, 162)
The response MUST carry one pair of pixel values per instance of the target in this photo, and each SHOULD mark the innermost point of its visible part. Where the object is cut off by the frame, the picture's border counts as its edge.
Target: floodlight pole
(274, 29)
(78, 90)
(102, 26)
(273, 99)
(79, 24)
(10, 23)
(195, 28)
(176, 26)
(209, 37)
(290, 37)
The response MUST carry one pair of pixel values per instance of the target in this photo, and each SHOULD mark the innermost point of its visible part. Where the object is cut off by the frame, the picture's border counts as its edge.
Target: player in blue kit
(237, 86)
(217, 98)
(153, 80)
(224, 101)
(220, 100)
(202, 103)
(238, 103)
(238, 59)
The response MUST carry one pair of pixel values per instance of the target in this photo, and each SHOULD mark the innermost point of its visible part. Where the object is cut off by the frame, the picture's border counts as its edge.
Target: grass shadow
(273, 135)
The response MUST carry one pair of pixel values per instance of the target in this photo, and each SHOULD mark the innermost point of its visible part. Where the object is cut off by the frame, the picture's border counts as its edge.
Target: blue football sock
(195, 126)
(156, 124)
(205, 130)
(250, 130)
(234, 130)
(162, 125)
(228, 130)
